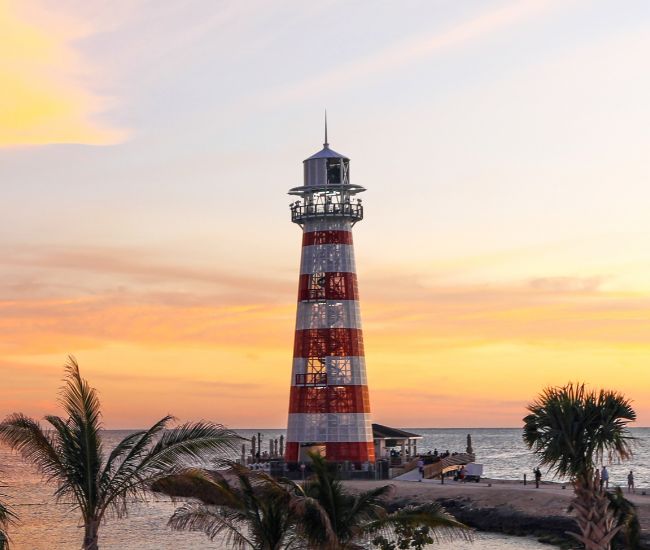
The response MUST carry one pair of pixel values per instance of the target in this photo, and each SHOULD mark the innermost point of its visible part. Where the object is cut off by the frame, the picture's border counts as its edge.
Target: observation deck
(302, 212)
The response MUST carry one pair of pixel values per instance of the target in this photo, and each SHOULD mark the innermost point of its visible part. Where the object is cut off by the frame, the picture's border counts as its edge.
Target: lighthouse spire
(326, 144)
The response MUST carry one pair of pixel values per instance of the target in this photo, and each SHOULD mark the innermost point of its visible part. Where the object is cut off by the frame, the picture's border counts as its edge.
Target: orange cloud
(42, 100)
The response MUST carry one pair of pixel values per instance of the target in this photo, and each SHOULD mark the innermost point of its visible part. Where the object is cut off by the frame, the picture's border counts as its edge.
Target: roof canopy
(385, 432)
(327, 153)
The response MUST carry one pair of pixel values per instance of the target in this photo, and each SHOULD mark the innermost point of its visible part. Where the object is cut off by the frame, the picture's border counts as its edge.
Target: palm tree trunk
(91, 535)
(595, 518)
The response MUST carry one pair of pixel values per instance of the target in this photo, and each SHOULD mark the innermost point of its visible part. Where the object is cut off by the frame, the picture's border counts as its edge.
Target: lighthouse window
(333, 170)
(316, 289)
(346, 171)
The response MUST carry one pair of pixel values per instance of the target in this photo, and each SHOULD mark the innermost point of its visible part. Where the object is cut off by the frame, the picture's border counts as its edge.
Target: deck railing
(447, 464)
(302, 212)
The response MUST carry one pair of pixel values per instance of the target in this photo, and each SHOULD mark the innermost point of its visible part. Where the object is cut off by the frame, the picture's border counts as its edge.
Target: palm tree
(572, 430)
(355, 519)
(248, 509)
(7, 517)
(70, 452)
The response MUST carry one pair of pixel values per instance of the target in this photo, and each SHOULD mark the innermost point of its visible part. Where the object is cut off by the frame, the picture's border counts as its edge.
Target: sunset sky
(146, 149)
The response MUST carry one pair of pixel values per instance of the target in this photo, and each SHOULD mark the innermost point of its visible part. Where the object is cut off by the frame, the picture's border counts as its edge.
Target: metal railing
(311, 379)
(302, 212)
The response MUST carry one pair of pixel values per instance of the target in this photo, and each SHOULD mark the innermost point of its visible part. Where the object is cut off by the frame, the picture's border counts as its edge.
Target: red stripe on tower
(331, 236)
(328, 342)
(329, 399)
(329, 405)
(328, 286)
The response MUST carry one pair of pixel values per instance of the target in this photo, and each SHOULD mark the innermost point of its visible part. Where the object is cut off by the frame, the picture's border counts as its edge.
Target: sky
(146, 149)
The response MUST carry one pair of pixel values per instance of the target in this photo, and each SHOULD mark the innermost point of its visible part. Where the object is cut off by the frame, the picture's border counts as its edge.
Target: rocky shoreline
(505, 519)
(508, 508)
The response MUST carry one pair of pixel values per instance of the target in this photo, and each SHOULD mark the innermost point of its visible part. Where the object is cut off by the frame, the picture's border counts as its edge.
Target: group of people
(442, 455)
(604, 479)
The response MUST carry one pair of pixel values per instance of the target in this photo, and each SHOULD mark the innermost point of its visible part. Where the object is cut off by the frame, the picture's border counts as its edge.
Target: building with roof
(389, 439)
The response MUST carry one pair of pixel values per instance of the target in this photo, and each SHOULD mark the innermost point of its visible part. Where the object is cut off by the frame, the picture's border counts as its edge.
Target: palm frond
(70, 481)
(81, 403)
(209, 487)
(7, 519)
(443, 527)
(25, 436)
(79, 400)
(7, 515)
(193, 442)
(313, 522)
(369, 504)
(148, 461)
(213, 522)
(266, 510)
(79, 439)
(127, 455)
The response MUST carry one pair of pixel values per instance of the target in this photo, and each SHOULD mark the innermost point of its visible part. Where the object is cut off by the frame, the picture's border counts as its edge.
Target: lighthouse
(329, 407)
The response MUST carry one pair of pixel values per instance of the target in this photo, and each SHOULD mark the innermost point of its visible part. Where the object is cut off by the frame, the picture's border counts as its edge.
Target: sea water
(46, 525)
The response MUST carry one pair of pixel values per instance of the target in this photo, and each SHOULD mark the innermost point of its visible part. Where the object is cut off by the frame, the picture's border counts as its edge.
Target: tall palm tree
(247, 509)
(356, 518)
(70, 452)
(572, 430)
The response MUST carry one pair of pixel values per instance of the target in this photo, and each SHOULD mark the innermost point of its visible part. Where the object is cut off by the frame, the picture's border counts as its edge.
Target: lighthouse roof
(327, 153)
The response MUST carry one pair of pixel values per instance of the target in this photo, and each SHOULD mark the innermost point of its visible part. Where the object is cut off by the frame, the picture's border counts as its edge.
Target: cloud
(126, 267)
(567, 284)
(44, 100)
(60, 298)
(127, 295)
(133, 317)
(410, 51)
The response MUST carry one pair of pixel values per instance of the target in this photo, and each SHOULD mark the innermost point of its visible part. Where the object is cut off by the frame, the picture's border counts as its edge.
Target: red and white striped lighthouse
(329, 409)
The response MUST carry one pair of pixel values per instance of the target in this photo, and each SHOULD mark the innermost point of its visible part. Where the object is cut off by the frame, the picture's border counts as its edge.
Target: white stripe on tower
(320, 258)
(340, 371)
(328, 314)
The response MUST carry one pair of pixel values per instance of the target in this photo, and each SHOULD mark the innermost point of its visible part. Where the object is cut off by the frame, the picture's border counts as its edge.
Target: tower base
(361, 451)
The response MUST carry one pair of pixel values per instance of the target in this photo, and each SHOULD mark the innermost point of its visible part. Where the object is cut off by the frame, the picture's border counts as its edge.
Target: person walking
(538, 477)
(604, 478)
(421, 468)
(630, 482)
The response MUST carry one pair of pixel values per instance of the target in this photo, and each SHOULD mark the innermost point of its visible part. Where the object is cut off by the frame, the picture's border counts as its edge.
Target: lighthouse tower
(329, 409)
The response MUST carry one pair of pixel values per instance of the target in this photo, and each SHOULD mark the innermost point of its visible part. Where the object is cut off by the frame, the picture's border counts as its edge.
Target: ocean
(46, 525)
